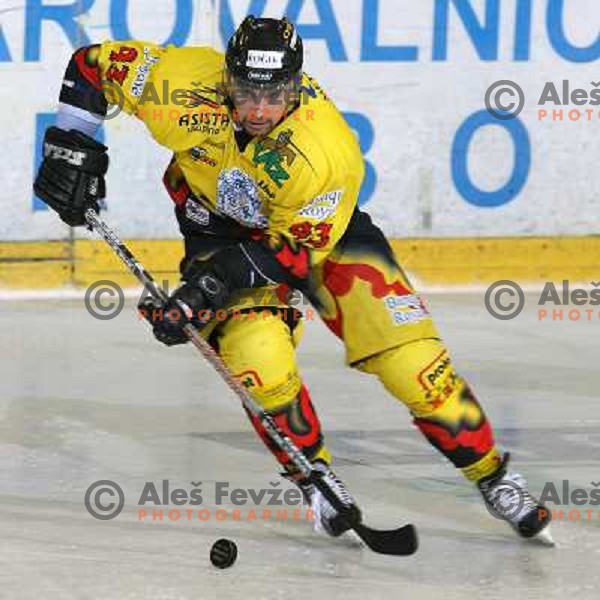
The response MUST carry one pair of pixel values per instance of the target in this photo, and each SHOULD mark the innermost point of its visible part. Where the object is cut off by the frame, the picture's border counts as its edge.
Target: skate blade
(544, 537)
(352, 538)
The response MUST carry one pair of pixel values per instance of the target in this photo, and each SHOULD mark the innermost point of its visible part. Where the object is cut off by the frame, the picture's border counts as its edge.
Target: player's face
(259, 110)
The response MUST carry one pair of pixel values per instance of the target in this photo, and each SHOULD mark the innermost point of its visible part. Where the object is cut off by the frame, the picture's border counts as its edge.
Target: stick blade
(394, 542)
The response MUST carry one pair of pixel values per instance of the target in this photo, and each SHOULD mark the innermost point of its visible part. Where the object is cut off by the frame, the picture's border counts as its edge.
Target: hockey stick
(398, 542)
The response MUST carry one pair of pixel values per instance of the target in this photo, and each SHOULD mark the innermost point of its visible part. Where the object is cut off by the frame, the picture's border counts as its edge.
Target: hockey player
(265, 177)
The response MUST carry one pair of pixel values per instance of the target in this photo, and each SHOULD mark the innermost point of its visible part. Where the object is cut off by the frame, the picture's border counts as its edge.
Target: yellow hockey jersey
(300, 181)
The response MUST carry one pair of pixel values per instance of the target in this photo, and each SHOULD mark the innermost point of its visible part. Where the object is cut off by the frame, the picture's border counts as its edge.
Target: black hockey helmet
(264, 53)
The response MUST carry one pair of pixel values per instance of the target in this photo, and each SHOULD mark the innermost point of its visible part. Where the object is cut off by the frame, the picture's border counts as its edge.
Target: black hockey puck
(223, 553)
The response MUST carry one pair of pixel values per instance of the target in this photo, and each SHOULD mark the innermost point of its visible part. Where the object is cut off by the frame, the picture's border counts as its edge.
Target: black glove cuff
(210, 281)
(77, 150)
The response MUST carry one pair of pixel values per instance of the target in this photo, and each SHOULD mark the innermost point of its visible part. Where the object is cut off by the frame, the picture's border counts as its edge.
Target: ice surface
(84, 400)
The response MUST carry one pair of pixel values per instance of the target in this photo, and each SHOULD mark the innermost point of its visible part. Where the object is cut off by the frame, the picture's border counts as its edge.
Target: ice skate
(507, 497)
(326, 518)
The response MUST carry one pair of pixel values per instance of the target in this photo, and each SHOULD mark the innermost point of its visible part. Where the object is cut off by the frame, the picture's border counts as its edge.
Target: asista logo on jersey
(58, 153)
(323, 206)
(205, 122)
(265, 59)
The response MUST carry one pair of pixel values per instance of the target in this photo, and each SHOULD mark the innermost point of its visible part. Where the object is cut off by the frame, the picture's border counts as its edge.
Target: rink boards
(431, 262)
(472, 197)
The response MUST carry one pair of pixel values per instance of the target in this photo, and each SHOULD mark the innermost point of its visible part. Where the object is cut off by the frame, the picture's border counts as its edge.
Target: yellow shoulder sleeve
(164, 87)
(125, 68)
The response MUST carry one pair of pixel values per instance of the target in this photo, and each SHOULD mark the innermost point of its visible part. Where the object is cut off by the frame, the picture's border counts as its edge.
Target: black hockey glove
(209, 283)
(71, 177)
(203, 292)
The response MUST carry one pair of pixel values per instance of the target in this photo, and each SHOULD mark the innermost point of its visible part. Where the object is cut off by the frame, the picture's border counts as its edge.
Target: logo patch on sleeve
(406, 310)
(323, 206)
(438, 379)
(196, 212)
(142, 72)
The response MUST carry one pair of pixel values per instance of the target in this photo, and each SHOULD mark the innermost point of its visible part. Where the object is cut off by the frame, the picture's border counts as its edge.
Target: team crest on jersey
(274, 156)
(237, 197)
